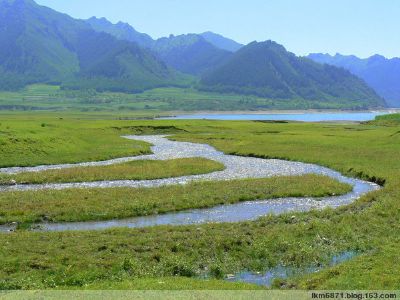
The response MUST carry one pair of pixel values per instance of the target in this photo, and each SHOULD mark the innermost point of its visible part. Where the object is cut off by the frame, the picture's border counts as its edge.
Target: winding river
(237, 167)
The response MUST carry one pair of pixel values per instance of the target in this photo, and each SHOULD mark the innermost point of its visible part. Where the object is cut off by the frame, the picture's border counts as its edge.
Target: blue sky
(360, 27)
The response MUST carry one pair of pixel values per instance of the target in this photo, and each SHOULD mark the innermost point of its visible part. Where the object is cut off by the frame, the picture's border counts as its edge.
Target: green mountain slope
(380, 73)
(36, 44)
(190, 53)
(107, 64)
(266, 69)
(46, 46)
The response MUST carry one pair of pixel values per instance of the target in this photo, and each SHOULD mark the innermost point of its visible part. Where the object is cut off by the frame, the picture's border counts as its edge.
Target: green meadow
(117, 203)
(181, 256)
(133, 170)
(153, 102)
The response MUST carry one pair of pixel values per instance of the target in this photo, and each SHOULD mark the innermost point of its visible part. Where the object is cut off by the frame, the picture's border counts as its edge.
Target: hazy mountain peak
(18, 2)
(267, 46)
(380, 73)
(377, 58)
(121, 30)
(189, 53)
(123, 25)
(100, 20)
(178, 40)
(221, 42)
(270, 44)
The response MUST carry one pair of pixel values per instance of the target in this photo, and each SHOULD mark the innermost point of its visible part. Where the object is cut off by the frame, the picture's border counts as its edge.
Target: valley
(215, 151)
(270, 240)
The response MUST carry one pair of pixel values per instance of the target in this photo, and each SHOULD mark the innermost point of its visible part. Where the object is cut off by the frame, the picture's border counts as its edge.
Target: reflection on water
(282, 272)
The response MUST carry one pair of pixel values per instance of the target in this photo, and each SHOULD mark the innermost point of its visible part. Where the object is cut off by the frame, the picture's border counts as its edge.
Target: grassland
(30, 142)
(393, 117)
(171, 283)
(121, 257)
(117, 203)
(388, 120)
(133, 170)
(153, 102)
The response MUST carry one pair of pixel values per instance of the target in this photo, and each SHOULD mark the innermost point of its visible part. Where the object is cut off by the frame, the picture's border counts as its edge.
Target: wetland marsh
(124, 256)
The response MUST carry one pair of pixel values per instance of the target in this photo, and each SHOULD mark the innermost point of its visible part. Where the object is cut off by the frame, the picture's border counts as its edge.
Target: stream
(237, 167)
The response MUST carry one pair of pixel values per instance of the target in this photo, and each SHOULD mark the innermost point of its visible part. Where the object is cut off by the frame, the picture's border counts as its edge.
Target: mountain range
(267, 69)
(121, 30)
(45, 46)
(380, 73)
(189, 53)
(124, 31)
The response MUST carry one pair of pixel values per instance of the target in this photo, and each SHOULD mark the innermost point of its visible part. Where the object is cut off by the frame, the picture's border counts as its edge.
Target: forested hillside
(266, 69)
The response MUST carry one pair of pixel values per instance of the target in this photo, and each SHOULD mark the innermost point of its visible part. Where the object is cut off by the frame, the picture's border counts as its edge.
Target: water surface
(303, 117)
(283, 272)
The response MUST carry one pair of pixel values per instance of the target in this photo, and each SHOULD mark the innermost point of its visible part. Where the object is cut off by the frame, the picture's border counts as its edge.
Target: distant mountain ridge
(380, 73)
(122, 31)
(189, 53)
(125, 31)
(266, 69)
(221, 42)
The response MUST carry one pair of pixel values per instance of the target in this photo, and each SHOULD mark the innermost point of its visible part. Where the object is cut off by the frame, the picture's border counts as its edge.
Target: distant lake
(304, 117)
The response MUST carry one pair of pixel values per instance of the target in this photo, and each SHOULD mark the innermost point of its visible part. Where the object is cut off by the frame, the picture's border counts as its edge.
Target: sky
(359, 27)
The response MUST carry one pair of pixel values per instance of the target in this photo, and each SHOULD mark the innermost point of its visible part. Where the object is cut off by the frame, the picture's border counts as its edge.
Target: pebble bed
(237, 167)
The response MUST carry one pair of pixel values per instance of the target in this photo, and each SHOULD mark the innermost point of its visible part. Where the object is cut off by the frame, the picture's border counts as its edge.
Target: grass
(117, 203)
(389, 117)
(41, 97)
(133, 170)
(170, 283)
(370, 271)
(30, 141)
(369, 226)
(388, 120)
